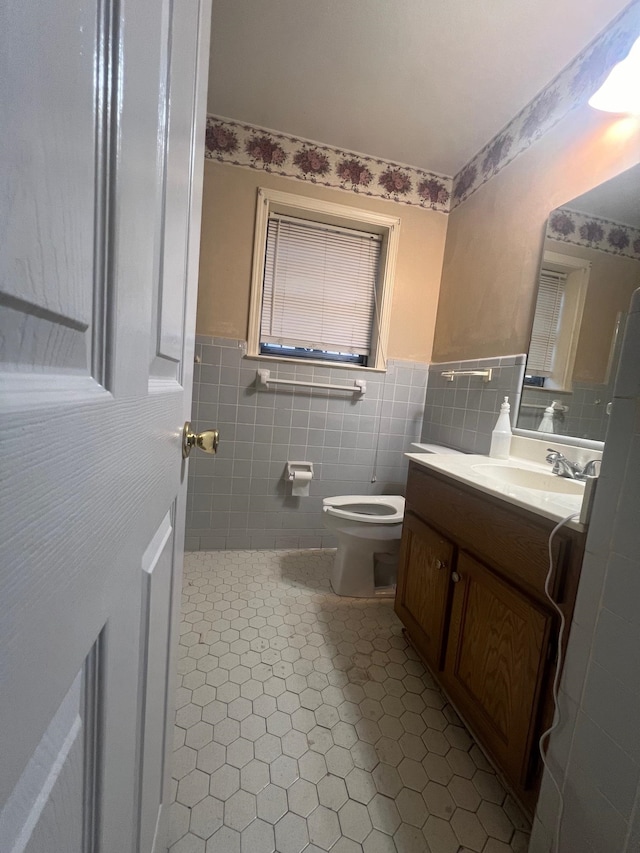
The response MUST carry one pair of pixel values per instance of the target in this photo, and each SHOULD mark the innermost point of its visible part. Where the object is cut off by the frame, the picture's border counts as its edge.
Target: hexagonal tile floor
(306, 723)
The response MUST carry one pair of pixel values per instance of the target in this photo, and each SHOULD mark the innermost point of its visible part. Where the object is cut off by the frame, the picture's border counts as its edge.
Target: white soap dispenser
(501, 435)
(546, 424)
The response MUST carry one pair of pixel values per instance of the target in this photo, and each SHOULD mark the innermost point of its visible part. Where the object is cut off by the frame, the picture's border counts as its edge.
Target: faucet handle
(589, 469)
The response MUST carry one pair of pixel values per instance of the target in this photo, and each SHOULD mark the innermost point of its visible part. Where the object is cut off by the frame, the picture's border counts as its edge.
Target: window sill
(546, 390)
(314, 363)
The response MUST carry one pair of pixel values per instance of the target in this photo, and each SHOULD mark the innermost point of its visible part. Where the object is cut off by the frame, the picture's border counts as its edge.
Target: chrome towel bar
(451, 374)
(359, 387)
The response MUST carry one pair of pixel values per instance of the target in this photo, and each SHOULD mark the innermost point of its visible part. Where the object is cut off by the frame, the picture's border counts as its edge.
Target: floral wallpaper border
(254, 147)
(571, 226)
(570, 88)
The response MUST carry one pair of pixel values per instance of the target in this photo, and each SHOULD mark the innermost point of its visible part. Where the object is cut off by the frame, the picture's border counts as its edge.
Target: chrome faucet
(564, 468)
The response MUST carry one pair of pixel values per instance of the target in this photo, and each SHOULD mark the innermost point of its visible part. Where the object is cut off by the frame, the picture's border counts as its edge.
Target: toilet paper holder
(299, 474)
(298, 467)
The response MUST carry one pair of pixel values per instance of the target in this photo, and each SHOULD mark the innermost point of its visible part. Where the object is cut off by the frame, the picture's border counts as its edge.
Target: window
(546, 324)
(562, 288)
(322, 280)
(319, 290)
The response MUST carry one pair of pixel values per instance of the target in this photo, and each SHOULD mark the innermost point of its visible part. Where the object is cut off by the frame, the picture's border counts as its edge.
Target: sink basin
(539, 480)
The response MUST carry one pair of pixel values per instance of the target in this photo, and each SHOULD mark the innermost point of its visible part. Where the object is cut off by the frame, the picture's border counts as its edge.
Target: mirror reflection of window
(546, 327)
(562, 289)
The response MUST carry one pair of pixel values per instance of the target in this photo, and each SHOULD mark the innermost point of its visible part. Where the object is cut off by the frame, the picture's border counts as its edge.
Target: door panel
(60, 824)
(177, 186)
(155, 707)
(91, 448)
(495, 660)
(423, 584)
(50, 299)
(49, 180)
(51, 806)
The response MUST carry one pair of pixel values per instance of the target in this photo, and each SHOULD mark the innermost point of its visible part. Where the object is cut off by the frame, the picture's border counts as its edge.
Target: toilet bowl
(368, 529)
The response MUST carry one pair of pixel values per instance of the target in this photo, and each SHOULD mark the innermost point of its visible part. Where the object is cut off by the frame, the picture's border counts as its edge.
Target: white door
(103, 108)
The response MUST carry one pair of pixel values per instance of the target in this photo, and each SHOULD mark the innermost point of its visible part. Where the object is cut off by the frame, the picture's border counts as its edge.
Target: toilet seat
(366, 509)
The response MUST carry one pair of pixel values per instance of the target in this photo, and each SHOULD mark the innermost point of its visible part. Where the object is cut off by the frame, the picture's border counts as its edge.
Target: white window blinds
(319, 286)
(551, 289)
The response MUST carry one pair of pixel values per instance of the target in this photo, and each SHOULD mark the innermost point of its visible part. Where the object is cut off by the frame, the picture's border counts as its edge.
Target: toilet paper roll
(300, 483)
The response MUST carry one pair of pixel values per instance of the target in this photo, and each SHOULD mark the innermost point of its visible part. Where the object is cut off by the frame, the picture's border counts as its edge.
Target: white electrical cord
(556, 680)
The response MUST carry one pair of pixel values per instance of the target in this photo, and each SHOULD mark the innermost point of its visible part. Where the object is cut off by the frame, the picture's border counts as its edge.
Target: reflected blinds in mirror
(545, 326)
(319, 286)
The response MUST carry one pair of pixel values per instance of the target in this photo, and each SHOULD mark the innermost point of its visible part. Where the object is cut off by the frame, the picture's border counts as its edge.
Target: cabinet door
(423, 583)
(495, 661)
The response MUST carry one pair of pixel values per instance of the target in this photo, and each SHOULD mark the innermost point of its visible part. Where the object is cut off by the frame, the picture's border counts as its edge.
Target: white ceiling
(424, 82)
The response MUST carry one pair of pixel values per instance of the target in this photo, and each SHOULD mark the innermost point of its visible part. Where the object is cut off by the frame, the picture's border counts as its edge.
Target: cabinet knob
(455, 577)
(440, 565)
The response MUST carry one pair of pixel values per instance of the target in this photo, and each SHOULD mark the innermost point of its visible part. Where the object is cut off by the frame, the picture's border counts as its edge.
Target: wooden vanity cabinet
(421, 599)
(471, 596)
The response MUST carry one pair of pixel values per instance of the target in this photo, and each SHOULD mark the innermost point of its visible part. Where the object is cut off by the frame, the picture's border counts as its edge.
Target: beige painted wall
(494, 240)
(227, 244)
(612, 280)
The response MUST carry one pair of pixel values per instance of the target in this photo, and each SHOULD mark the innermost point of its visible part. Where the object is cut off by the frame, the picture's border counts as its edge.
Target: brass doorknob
(207, 440)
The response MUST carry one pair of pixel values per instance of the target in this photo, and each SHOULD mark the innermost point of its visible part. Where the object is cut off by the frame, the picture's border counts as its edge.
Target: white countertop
(552, 505)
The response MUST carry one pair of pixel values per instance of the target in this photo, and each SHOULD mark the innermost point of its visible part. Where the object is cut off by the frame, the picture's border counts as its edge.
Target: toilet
(368, 529)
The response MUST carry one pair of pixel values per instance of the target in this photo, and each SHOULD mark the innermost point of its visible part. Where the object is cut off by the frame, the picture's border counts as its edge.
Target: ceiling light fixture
(620, 92)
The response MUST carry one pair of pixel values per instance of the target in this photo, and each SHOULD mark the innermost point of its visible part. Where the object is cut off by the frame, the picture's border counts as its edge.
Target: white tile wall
(462, 413)
(600, 772)
(239, 499)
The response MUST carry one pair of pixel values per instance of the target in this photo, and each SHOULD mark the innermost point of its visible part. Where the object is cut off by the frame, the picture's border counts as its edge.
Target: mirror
(590, 267)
